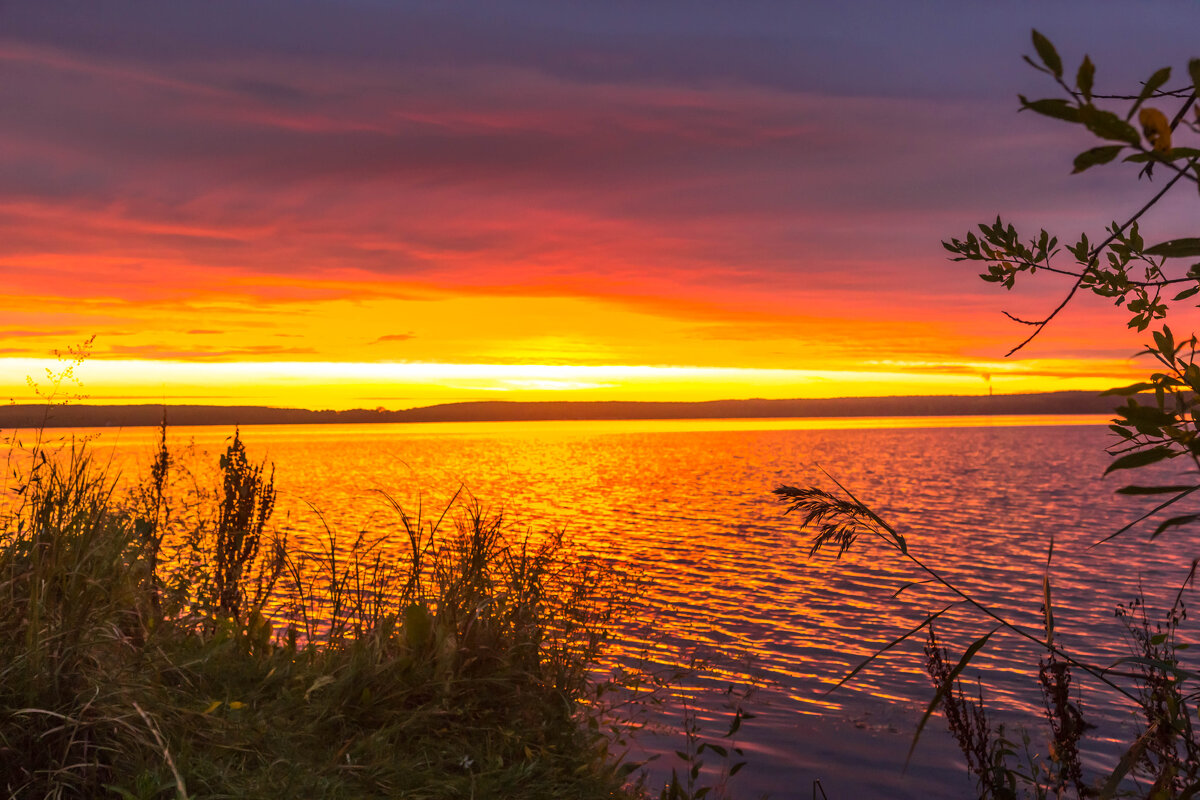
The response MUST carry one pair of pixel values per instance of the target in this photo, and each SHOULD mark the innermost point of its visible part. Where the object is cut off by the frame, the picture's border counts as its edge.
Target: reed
(1153, 680)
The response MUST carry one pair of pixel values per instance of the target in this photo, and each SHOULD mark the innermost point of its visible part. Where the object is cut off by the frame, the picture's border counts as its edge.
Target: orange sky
(356, 206)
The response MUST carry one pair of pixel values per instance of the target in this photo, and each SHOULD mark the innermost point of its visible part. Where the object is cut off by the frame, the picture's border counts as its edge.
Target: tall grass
(165, 643)
(1161, 762)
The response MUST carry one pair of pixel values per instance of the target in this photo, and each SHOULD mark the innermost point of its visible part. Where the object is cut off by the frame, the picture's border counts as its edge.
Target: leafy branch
(1106, 269)
(1159, 422)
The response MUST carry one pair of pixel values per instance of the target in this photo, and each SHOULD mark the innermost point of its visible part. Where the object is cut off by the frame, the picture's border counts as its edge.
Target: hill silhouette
(86, 416)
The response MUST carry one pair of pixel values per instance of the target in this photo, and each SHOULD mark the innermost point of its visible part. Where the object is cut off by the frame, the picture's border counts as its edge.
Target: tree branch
(1073, 274)
(1095, 251)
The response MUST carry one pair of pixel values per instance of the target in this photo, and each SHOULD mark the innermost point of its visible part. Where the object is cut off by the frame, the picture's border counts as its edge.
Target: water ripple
(731, 578)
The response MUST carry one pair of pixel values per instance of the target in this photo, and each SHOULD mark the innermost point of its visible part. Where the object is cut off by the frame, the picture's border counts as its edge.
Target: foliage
(460, 670)
(247, 500)
(1157, 423)
(689, 786)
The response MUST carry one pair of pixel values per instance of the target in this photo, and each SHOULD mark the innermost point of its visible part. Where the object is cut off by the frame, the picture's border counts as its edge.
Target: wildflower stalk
(841, 522)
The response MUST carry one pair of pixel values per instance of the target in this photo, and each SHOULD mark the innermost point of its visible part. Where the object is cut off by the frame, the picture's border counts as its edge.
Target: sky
(353, 203)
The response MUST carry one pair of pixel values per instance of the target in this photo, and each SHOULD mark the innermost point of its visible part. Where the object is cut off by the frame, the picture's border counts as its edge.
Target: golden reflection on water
(687, 504)
(265, 433)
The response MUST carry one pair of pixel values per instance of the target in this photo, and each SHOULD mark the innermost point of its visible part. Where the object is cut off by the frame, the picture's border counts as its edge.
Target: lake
(730, 579)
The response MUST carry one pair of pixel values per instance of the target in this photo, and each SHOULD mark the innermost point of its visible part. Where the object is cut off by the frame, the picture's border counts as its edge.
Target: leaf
(1047, 53)
(1176, 248)
(947, 687)
(1046, 597)
(1095, 156)
(319, 683)
(1131, 757)
(1051, 107)
(1139, 459)
(1085, 77)
(1144, 490)
(1194, 71)
(1153, 84)
(1147, 515)
(1174, 522)
(909, 585)
(1165, 667)
(1156, 128)
(885, 648)
(1034, 64)
(1147, 416)
(1124, 433)
(1049, 611)
(1186, 293)
(1108, 125)
(1165, 341)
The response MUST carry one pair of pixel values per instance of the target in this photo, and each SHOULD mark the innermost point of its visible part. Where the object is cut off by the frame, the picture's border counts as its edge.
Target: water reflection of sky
(729, 578)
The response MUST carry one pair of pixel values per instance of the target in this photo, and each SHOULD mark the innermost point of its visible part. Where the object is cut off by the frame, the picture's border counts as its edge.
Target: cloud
(693, 162)
(395, 337)
(518, 166)
(153, 351)
(1117, 369)
(16, 333)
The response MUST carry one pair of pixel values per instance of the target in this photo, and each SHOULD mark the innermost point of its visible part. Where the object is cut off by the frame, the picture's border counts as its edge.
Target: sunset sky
(360, 204)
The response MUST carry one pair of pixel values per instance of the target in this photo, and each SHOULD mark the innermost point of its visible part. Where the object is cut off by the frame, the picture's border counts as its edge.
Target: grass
(164, 643)
(1162, 760)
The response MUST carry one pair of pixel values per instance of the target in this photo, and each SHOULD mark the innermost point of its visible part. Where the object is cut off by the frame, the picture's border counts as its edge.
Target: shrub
(1157, 423)
(152, 647)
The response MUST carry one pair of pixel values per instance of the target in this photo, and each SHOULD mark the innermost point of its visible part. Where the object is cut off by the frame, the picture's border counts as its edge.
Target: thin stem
(1073, 274)
(897, 542)
(1095, 672)
(1092, 257)
(1175, 93)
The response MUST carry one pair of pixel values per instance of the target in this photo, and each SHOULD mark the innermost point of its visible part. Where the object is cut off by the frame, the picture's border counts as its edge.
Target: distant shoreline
(128, 416)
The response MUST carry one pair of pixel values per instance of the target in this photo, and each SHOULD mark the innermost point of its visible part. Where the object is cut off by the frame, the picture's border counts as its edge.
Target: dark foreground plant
(968, 723)
(692, 784)
(246, 502)
(1159, 422)
(135, 663)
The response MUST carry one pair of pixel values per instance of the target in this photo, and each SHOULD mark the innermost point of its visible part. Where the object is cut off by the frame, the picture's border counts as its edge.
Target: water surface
(689, 503)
